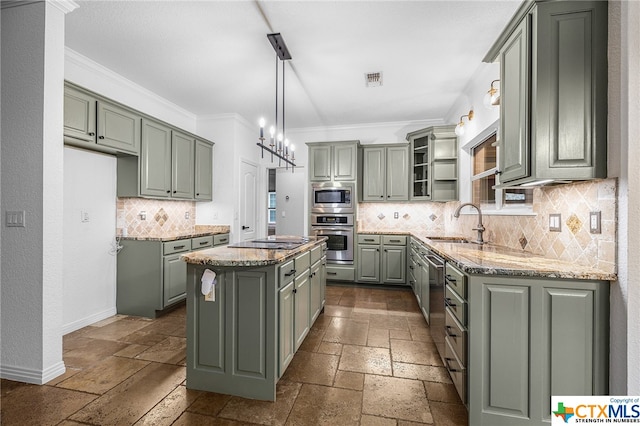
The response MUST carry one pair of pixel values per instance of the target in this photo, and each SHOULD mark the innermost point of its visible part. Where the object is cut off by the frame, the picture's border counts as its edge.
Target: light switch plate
(555, 222)
(595, 223)
(15, 219)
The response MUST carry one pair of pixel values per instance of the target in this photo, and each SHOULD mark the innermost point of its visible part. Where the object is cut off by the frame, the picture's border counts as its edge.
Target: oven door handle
(328, 228)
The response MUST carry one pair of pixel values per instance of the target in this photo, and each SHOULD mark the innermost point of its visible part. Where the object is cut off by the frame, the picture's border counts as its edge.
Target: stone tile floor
(368, 359)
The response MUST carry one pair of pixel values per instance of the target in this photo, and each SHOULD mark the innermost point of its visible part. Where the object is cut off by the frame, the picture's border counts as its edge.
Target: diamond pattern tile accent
(166, 217)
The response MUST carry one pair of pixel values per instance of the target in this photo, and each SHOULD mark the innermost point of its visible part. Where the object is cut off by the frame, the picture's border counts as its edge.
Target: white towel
(208, 283)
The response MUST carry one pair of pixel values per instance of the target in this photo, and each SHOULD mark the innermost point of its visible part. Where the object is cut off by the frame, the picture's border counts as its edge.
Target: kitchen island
(243, 333)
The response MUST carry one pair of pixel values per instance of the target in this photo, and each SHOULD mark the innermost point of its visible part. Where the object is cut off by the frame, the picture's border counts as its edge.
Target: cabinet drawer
(394, 240)
(220, 239)
(456, 369)
(368, 239)
(457, 335)
(316, 254)
(176, 246)
(302, 263)
(456, 280)
(287, 273)
(201, 242)
(340, 273)
(456, 304)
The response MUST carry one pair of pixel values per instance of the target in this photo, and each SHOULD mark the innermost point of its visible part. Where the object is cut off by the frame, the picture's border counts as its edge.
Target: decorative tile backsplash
(574, 243)
(160, 216)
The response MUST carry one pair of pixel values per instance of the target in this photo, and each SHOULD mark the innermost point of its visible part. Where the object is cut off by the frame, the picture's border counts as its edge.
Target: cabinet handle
(394, 241)
(382, 196)
(368, 239)
(411, 267)
(446, 330)
(385, 250)
(174, 191)
(223, 240)
(331, 273)
(178, 247)
(447, 301)
(168, 191)
(446, 363)
(295, 290)
(92, 134)
(100, 137)
(377, 250)
(291, 272)
(204, 242)
(197, 194)
(450, 278)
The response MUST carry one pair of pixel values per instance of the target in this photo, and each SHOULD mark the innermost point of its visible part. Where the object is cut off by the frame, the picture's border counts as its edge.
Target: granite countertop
(493, 259)
(247, 257)
(197, 231)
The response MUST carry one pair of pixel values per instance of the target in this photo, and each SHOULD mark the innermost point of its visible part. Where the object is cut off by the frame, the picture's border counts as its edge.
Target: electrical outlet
(396, 215)
(186, 215)
(143, 215)
(595, 224)
(555, 222)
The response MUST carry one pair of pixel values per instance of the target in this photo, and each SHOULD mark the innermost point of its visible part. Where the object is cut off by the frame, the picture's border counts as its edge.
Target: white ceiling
(213, 57)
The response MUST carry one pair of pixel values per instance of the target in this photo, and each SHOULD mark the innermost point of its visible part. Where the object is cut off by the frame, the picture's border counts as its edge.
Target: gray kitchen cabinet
(424, 290)
(382, 259)
(95, 123)
(385, 172)
(203, 170)
(333, 161)
(434, 164)
(286, 315)
(155, 159)
(317, 274)
(118, 128)
(150, 275)
(182, 165)
(302, 294)
(79, 117)
(513, 342)
(553, 115)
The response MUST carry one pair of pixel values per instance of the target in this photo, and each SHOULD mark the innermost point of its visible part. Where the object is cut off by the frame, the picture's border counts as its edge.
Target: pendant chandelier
(278, 146)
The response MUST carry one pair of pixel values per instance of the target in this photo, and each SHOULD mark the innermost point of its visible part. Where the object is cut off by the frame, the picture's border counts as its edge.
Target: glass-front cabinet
(434, 164)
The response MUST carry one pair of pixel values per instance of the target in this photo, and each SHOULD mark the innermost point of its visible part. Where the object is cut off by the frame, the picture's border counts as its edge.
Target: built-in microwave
(332, 197)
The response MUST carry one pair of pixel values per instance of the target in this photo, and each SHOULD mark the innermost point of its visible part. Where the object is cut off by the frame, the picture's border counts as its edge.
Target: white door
(248, 200)
(290, 201)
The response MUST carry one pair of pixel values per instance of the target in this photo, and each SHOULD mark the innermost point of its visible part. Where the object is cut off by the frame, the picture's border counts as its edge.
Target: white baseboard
(91, 319)
(28, 375)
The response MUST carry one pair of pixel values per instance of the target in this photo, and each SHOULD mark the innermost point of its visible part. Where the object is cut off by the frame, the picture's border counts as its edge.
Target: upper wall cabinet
(95, 123)
(335, 161)
(434, 164)
(553, 76)
(204, 170)
(385, 173)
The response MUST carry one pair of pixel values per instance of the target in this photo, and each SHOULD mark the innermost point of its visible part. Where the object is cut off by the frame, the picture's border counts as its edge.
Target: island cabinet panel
(531, 338)
(210, 329)
(248, 319)
(286, 317)
(302, 299)
(238, 358)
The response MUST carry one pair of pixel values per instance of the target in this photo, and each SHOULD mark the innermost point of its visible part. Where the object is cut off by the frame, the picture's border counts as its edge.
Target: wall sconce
(460, 127)
(492, 97)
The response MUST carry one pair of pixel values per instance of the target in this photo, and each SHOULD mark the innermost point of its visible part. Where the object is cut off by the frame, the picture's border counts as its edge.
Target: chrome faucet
(480, 227)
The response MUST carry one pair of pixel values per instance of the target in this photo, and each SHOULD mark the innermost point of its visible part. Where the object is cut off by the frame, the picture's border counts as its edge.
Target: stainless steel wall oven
(338, 228)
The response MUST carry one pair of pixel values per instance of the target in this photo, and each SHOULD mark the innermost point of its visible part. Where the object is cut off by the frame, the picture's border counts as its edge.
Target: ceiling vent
(373, 79)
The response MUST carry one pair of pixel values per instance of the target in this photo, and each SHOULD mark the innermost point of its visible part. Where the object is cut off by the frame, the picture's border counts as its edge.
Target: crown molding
(95, 68)
(65, 6)
(359, 126)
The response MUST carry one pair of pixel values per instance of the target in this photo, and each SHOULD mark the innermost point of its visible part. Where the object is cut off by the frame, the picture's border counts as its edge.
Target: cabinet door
(315, 277)
(344, 162)
(182, 165)
(174, 279)
(320, 163)
(514, 148)
(118, 128)
(424, 299)
(369, 263)
(301, 302)
(155, 159)
(79, 116)
(286, 337)
(394, 260)
(204, 171)
(569, 124)
(397, 173)
(373, 174)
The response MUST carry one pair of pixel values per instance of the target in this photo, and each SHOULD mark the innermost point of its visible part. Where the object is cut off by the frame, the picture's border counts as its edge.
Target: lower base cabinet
(382, 259)
(531, 338)
(151, 276)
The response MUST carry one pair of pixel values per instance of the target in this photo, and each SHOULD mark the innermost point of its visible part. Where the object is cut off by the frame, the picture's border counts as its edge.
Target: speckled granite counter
(197, 231)
(492, 259)
(247, 257)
